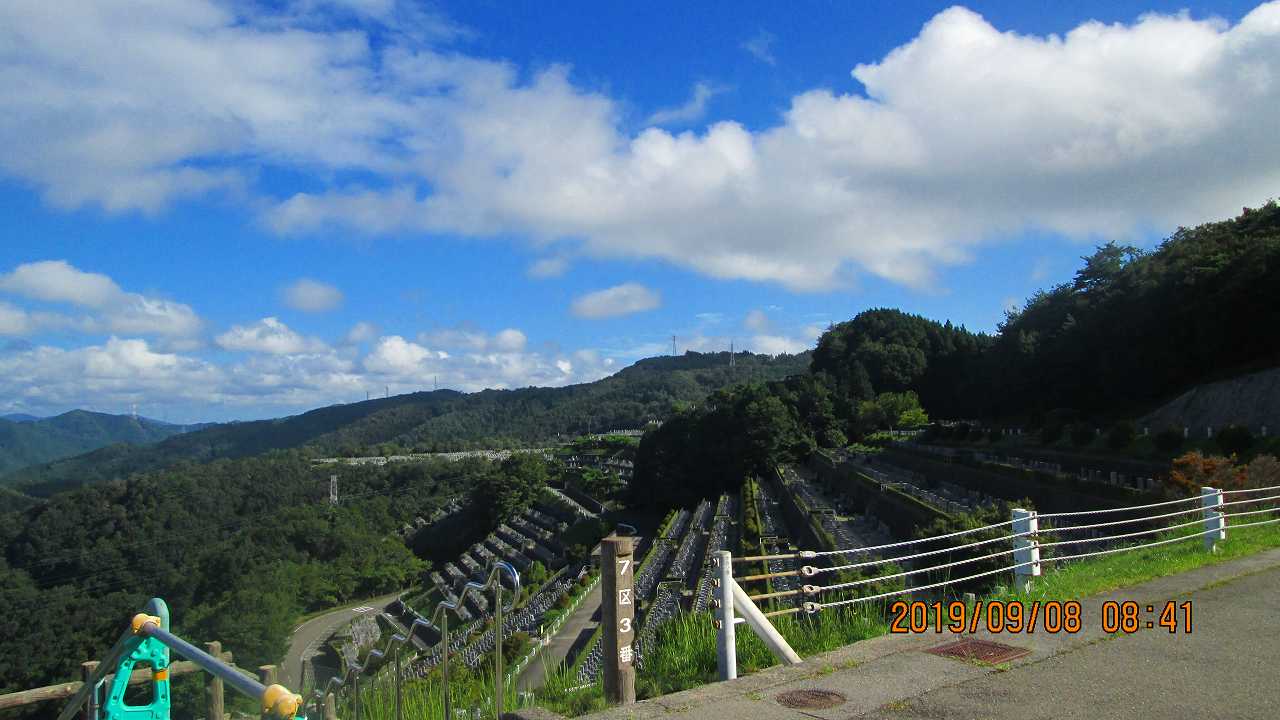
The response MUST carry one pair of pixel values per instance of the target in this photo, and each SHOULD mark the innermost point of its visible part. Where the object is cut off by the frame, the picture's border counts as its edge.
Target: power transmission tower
(333, 489)
(732, 359)
(673, 344)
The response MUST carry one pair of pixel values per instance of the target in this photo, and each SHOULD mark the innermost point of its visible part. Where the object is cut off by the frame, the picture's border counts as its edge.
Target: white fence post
(1215, 528)
(726, 643)
(1026, 556)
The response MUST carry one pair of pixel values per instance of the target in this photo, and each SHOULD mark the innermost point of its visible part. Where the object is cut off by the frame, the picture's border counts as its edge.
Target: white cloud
(624, 299)
(692, 110)
(268, 335)
(760, 46)
(312, 296)
(962, 134)
(58, 281)
(778, 345)
(548, 267)
(509, 340)
(113, 310)
(757, 321)
(13, 320)
(393, 355)
(361, 332)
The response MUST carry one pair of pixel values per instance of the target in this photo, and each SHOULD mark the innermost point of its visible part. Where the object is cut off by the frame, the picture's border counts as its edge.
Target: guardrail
(323, 699)
(148, 642)
(1023, 530)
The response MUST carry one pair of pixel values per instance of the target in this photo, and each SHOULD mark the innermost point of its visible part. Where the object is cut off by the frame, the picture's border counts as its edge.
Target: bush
(1169, 440)
(1234, 439)
(994, 434)
(1120, 435)
(960, 431)
(1082, 434)
(1050, 433)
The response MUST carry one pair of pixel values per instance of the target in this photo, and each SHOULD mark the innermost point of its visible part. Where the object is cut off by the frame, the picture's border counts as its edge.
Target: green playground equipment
(148, 642)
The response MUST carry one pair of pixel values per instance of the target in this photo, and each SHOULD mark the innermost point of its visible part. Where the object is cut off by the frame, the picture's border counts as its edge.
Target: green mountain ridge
(32, 442)
(440, 420)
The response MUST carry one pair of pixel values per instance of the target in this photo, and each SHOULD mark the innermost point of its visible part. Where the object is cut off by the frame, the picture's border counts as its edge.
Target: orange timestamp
(1050, 616)
(993, 616)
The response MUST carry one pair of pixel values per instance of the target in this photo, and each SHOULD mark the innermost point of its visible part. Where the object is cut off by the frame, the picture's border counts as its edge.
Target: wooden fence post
(213, 685)
(267, 675)
(617, 577)
(330, 707)
(87, 669)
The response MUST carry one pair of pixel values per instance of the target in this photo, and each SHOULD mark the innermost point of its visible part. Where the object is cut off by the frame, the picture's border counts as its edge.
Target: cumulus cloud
(312, 296)
(694, 109)
(361, 332)
(624, 299)
(393, 355)
(962, 134)
(112, 310)
(270, 336)
(13, 320)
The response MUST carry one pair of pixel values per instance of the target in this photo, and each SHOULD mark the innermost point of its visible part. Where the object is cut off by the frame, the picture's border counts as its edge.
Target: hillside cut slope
(1252, 400)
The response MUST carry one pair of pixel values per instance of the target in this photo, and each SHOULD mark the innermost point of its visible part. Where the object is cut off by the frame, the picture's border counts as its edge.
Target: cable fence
(1021, 546)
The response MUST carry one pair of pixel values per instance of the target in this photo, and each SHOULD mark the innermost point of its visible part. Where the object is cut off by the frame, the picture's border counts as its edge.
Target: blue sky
(236, 210)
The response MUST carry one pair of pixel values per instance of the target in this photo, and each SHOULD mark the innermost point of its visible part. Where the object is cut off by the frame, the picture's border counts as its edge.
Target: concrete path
(307, 637)
(583, 621)
(1225, 668)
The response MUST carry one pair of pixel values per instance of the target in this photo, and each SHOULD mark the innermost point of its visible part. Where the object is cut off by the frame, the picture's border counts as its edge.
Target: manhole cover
(810, 699)
(981, 650)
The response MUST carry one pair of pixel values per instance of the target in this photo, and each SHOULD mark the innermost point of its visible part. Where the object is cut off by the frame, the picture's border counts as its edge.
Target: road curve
(309, 636)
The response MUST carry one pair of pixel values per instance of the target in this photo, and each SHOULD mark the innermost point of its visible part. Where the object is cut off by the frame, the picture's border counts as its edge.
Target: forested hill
(436, 421)
(1132, 330)
(29, 441)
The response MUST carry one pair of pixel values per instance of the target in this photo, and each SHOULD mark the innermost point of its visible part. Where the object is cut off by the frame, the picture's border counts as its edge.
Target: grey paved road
(308, 636)
(582, 619)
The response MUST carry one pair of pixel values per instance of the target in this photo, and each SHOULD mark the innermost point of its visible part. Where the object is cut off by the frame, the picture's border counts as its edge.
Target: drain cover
(981, 650)
(810, 699)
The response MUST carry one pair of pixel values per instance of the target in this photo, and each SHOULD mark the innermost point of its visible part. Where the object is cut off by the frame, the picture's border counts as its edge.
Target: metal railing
(439, 619)
(148, 641)
(1023, 531)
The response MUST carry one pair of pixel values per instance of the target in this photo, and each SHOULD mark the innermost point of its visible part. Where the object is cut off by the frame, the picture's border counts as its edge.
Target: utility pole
(732, 359)
(673, 344)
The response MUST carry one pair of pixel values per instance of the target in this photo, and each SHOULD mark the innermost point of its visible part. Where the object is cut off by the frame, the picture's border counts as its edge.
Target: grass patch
(1109, 572)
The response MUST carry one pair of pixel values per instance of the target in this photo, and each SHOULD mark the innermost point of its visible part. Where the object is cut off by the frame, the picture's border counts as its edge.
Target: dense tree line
(238, 549)
(1132, 329)
(442, 420)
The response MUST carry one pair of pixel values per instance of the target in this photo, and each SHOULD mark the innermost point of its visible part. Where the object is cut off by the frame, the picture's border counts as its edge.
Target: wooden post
(330, 707)
(267, 675)
(617, 577)
(87, 669)
(213, 686)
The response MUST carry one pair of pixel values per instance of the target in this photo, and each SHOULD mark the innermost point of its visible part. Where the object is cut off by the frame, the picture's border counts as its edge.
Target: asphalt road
(583, 620)
(310, 635)
(1225, 668)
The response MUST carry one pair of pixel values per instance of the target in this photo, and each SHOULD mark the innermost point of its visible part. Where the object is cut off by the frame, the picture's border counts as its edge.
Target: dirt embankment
(1252, 400)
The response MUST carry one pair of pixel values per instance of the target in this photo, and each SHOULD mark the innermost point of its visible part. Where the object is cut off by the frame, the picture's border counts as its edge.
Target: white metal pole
(726, 644)
(763, 628)
(1026, 554)
(1215, 528)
